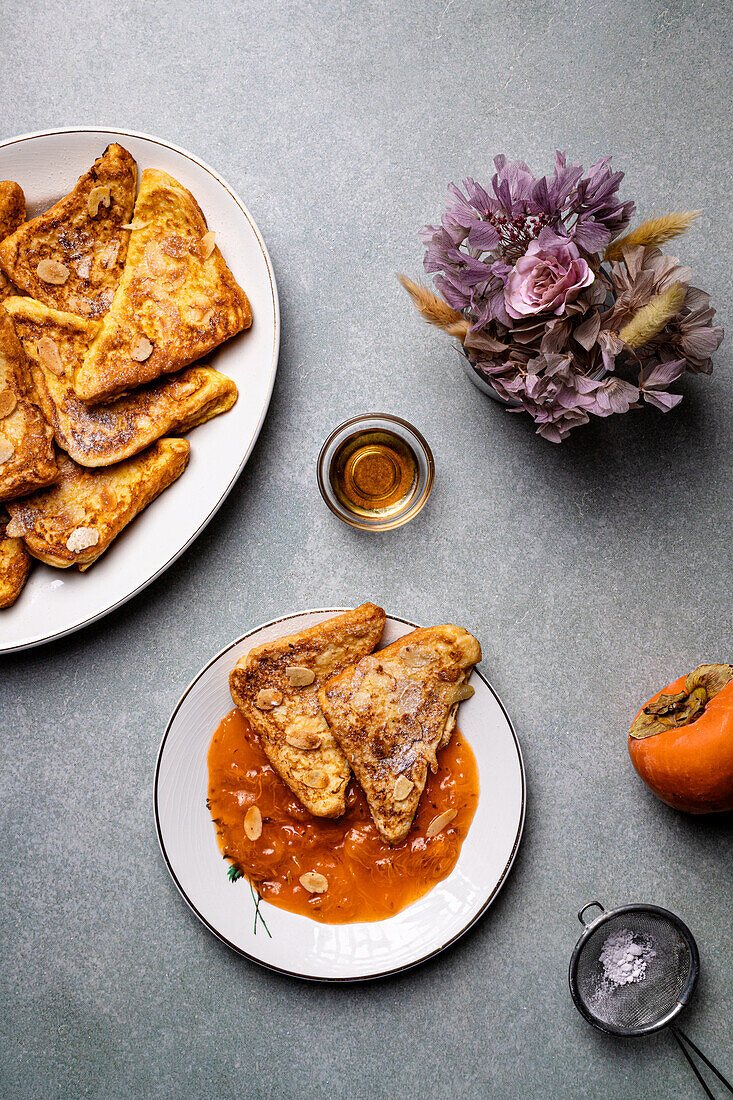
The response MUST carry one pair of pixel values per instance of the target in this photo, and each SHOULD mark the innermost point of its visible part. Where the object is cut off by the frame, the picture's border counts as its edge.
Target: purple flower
(614, 395)
(653, 385)
(550, 273)
(485, 231)
(600, 215)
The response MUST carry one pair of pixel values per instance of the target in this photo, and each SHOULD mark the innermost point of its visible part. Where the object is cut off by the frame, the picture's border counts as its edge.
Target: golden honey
(374, 473)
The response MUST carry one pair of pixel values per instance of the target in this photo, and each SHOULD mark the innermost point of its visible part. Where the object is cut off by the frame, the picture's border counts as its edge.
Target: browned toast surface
(71, 256)
(99, 435)
(15, 564)
(12, 214)
(27, 457)
(276, 687)
(177, 299)
(75, 520)
(393, 710)
(12, 207)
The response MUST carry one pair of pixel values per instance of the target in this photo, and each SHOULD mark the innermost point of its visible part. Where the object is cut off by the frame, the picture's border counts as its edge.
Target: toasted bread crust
(391, 713)
(15, 564)
(12, 214)
(12, 207)
(100, 435)
(323, 649)
(32, 461)
(92, 246)
(100, 501)
(171, 294)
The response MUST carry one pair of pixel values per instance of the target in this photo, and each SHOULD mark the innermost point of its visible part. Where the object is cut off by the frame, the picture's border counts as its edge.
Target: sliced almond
(268, 698)
(52, 271)
(306, 741)
(7, 450)
(50, 356)
(107, 257)
(141, 350)
(8, 401)
(299, 677)
(84, 267)
(81, 538)
(253, 823)
(208, 243)
(134, 225)
(402, 788)
(316, 779)
(314, 882)
(439, 823)
(414, 659)
(465, 691)
(97, 196)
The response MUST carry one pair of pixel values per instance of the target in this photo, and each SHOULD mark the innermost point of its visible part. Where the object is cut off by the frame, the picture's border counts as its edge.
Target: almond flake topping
(305, 741)
(299, 677)
(7, 450)
(81, 538)
(314, 882)
(465, 691)
(268, 698)
(253, 823)
(316, 779)
(439, 823)
(402, 788)
(8, 401)
(414, 659)
(208, 243)
(48, 353)
(97, 196)
(134, 225)
(52, 271)
(141, 350)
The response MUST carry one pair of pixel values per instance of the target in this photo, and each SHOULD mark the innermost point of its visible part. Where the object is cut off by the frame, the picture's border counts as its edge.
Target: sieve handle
(581, 914)
(679, 1036)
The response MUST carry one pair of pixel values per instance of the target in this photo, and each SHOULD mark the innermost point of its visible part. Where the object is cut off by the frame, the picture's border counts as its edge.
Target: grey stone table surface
(593, 572)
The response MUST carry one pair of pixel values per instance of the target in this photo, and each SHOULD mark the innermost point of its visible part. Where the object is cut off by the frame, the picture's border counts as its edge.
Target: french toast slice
(100, 435)
(71, 257)
(176, 301)
(27, 456)
(12, 214)
(12, 207)
(393, 710)
(276, 685)
(15, 564)
(75, 520)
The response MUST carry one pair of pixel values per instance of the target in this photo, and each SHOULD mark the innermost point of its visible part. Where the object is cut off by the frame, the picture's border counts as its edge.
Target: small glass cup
(375, 472)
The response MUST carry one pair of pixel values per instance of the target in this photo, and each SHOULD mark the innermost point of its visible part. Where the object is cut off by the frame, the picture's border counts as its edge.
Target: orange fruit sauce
(367, 880)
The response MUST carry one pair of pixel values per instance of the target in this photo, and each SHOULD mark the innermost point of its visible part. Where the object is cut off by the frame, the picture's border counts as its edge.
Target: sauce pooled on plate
(367, 880)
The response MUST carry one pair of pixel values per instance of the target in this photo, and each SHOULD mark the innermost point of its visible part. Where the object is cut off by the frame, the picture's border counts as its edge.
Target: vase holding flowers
(560, 313)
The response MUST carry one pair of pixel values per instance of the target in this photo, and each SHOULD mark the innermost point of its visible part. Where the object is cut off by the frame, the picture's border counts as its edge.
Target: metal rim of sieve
(592, 926)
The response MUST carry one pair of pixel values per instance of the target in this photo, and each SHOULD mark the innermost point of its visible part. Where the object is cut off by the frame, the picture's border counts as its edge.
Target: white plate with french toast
(360, 807)
(139, 337)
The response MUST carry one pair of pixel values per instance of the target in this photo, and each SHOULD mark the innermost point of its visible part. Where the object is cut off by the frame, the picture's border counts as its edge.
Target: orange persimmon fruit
(681, 741)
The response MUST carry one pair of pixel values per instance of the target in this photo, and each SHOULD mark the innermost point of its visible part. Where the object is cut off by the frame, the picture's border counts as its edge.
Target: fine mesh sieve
(654, 1000)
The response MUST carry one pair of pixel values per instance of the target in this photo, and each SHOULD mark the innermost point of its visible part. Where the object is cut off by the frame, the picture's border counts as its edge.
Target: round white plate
(297, 945)
(58, 601)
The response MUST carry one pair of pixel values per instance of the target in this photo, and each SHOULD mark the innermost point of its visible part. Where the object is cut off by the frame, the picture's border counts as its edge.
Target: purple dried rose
(545, 304)
(551, 273)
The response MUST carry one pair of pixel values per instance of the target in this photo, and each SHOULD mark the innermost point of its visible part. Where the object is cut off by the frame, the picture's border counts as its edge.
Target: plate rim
(284, 970)
(56, 635)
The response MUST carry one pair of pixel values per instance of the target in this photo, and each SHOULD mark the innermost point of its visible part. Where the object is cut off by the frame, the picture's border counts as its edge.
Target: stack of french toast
(106, 301)
(325, 702)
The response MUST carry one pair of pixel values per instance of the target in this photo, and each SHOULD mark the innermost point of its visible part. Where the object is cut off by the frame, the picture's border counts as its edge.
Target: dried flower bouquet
(565, 318)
